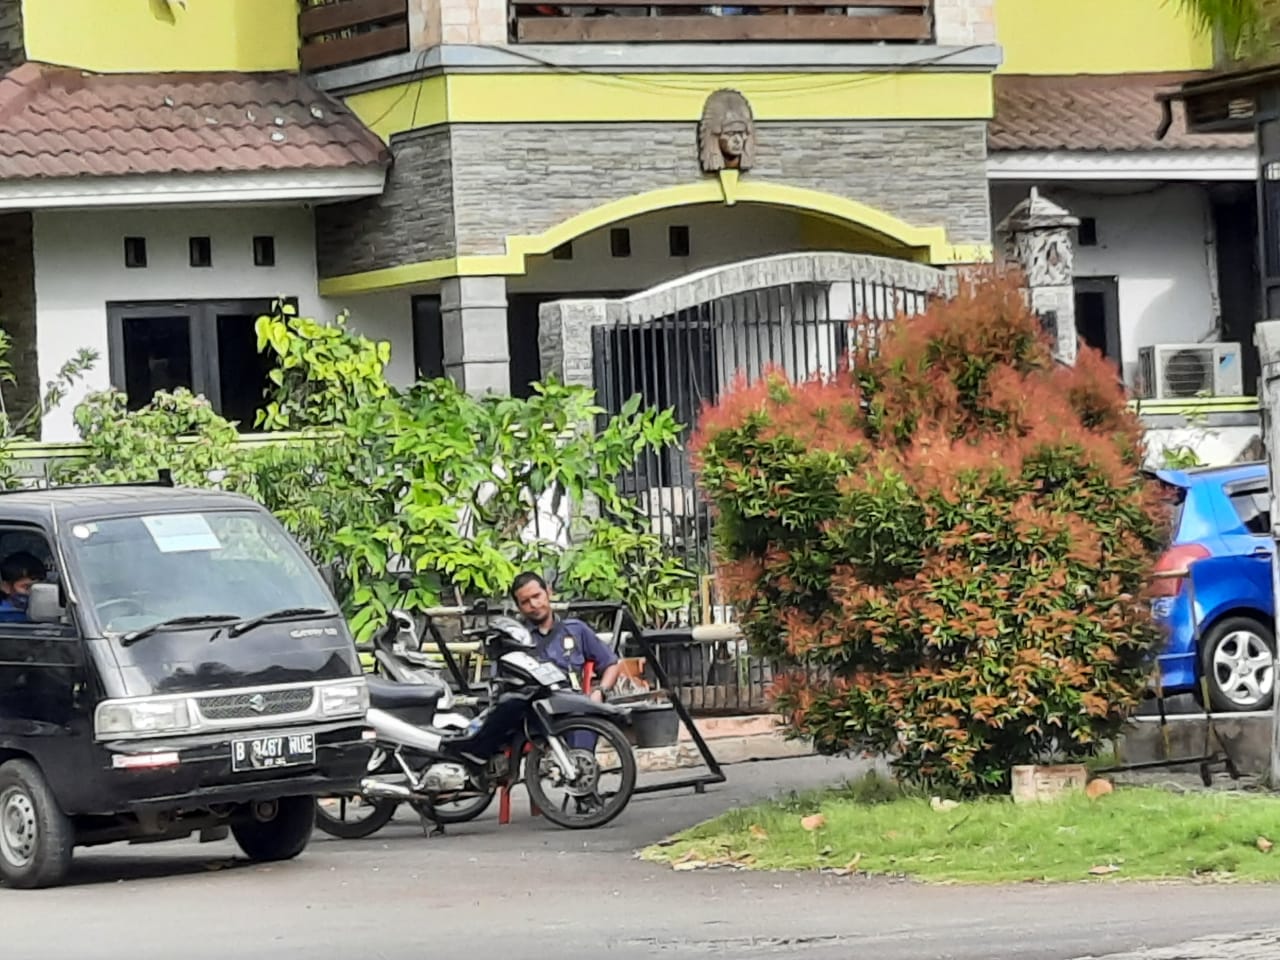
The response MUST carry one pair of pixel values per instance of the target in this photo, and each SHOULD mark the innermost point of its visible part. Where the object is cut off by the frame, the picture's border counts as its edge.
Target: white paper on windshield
(181, 533)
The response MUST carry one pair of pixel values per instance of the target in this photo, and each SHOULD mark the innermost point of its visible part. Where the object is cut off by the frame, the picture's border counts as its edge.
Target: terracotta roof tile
(59, 122)
(1093, 112)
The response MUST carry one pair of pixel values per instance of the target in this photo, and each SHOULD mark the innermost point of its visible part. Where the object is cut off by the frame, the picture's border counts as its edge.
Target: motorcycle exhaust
(381, 790)
(392, 729)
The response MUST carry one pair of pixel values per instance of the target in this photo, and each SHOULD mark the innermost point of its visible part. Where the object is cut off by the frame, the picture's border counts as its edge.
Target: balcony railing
(338, 33)
(673, 21)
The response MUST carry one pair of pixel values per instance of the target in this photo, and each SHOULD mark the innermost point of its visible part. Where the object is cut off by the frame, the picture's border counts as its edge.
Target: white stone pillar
(565, 339)
(473, 313)
(1036, 235)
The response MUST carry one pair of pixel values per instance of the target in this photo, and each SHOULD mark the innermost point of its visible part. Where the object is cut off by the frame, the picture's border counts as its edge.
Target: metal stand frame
(623, 621)
(1208, 757)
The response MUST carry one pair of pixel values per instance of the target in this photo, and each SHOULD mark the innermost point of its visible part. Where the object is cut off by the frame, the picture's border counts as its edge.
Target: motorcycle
(397, 658)
(534, 720)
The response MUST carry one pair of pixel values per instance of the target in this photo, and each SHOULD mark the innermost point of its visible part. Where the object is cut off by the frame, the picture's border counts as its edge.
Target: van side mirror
(44, 603)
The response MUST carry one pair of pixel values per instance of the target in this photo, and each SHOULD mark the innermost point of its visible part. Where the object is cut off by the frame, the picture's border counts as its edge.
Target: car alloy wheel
(1243, 669)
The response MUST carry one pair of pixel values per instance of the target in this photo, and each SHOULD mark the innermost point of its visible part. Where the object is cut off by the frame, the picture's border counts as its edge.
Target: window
(428, 338)
(21, 544)
(1087, 232)
(1253, 507)
(264, 251)
(237, 562)
(620, 242)
(678, 241)
(1098, 315)
(135, 252)
(563, 252)
(200, 252)
(208, 346)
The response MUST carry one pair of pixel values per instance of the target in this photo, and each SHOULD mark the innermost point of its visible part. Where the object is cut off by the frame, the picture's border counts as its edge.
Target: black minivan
(178, 666)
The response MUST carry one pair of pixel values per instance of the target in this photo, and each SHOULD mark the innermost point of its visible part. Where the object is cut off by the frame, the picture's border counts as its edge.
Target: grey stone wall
(18, 312)
(507, 179)
(12, 52)
(513, 179)
(412, 221)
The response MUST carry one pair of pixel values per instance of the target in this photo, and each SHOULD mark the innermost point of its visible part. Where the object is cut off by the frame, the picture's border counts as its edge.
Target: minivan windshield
(136, 572)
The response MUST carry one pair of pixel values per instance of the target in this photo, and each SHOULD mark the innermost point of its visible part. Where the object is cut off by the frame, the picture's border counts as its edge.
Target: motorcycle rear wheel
(380, 814)
(614, 805)
(463, 813)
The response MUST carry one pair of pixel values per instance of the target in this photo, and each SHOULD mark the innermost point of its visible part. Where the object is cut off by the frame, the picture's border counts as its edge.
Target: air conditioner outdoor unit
(1182, 370)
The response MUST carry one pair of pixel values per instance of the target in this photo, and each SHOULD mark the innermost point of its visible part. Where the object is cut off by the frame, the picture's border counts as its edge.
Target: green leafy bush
(463, 492)
(948, 543)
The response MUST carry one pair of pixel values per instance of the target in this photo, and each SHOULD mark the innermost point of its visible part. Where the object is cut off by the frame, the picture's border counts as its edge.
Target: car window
(24, 554)
(1253, 507)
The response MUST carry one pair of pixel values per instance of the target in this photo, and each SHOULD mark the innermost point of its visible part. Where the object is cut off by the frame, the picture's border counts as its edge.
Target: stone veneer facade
(463, 189)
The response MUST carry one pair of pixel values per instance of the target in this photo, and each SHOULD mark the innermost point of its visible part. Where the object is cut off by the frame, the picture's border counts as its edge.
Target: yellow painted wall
(1099, 36)
(151, 36)
(641, 97)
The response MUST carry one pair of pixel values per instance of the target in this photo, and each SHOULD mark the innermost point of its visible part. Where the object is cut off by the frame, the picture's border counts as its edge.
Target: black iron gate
(683, 344)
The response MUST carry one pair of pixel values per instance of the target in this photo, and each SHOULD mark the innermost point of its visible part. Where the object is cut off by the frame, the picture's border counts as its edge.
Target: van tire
(32, 815)
(282, 837)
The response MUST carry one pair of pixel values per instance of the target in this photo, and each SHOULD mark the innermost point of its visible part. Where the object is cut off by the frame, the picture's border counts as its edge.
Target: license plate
(270, 753)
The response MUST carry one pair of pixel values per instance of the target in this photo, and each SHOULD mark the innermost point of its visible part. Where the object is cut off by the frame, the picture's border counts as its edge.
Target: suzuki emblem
(257, 703)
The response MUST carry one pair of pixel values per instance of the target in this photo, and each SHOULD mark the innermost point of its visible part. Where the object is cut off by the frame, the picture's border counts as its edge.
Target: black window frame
(202, 330)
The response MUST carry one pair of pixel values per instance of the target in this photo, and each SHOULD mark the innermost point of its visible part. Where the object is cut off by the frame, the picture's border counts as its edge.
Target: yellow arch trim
(922, 244)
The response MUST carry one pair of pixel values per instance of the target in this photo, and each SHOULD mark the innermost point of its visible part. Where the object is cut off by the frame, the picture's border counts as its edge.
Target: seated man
(18, 572)
(570, 644)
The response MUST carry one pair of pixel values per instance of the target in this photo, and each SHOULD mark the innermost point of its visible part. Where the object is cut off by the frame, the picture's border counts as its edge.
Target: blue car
(1222, 532)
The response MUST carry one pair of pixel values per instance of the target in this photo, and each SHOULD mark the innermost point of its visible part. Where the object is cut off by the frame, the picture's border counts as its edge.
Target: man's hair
(524, 580)
(21, 564)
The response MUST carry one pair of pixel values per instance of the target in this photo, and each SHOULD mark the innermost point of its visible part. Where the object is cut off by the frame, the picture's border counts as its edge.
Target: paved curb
(1264, 945)
(731, 740)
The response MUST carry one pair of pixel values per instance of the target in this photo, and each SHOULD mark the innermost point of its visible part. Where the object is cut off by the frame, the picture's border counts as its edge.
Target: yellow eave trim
(922, 244)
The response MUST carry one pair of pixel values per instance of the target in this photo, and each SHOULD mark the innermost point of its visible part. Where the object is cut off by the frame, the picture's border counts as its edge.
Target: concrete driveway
(529, 891)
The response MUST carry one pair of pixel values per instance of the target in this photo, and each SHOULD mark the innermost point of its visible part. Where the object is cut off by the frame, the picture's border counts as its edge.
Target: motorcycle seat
(388, 695)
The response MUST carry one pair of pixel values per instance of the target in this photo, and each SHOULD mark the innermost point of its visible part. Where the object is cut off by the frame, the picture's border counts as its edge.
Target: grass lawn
(1135, 833)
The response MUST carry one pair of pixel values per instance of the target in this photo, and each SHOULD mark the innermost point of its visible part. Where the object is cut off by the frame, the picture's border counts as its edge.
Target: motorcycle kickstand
(429, 827)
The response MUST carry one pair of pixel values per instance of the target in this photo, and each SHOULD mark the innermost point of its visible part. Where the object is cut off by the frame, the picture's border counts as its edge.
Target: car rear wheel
(1238, 659)
(276, 831)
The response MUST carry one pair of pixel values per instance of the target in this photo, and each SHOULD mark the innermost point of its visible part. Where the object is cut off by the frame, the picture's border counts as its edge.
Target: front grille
(247, 706)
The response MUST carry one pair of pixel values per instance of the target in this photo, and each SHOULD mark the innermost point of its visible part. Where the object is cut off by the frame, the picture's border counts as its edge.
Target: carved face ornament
(733, 141)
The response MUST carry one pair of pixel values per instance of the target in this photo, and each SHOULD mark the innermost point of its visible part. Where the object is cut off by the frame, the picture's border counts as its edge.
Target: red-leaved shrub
(948, 542)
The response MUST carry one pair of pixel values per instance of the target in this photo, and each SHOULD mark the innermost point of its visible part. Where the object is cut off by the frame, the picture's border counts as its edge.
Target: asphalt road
(529, 891)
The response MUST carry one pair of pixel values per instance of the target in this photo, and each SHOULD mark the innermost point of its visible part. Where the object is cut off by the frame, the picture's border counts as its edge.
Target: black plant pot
(654, 725)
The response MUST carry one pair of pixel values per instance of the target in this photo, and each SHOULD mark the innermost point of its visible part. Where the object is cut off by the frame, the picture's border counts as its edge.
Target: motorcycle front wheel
(353, 818)
(598, 749)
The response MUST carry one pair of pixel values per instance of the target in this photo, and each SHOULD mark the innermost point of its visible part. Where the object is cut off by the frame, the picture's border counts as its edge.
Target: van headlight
(122, 719)
(344, 699)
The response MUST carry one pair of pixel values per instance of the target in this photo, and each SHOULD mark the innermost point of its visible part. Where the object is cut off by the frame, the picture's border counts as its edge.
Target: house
(443, 169)
(1164, 254)
(160, 168)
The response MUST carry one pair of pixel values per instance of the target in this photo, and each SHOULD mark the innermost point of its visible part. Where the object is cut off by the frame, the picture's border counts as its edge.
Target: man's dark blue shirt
(570, 644)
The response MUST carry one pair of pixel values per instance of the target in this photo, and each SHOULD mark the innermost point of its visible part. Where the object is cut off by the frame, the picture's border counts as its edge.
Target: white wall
(718, 234)
(1153, 239)
(79, 259)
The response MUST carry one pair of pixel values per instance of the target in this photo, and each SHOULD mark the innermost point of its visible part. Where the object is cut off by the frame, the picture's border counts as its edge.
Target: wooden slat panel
(375, 43)
(902, 4)
(349, 13)
(707, 28)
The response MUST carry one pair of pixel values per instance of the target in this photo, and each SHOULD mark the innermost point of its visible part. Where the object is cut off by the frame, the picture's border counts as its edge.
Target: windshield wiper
(288, 613)
(192, 620)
